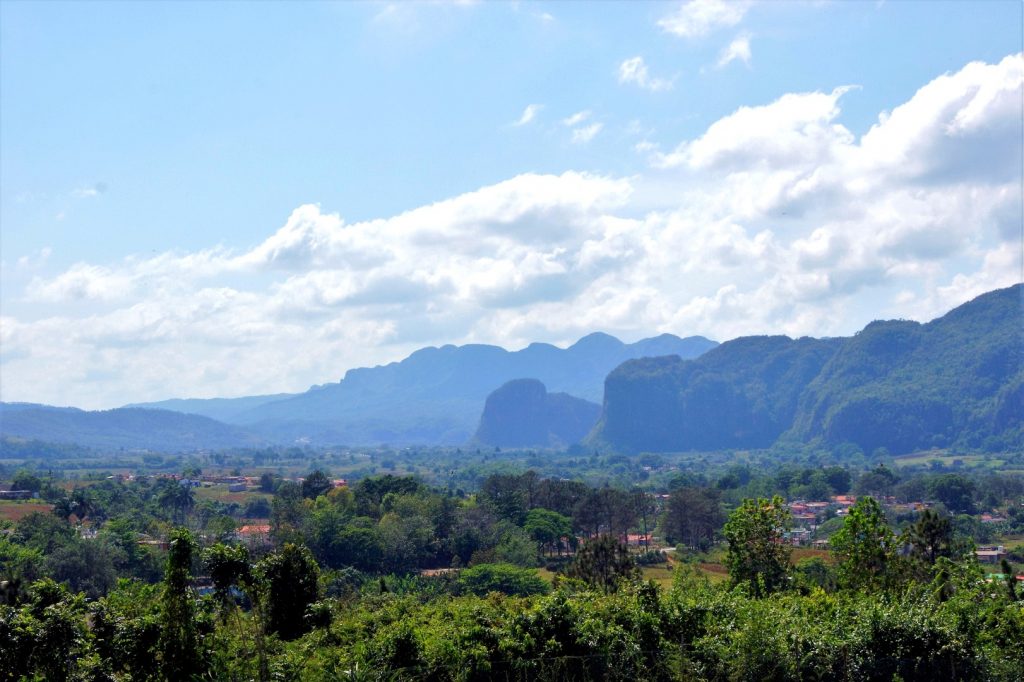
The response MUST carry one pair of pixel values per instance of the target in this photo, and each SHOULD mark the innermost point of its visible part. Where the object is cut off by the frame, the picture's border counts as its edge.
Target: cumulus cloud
(634, 71)
(737, 50)
(528, 115)
(82, 282)
(775, 219)
(699, 17)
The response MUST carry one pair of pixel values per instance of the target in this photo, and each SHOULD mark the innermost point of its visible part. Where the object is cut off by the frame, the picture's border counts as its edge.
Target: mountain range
(433, 397)
(955, 381)
(896, 385)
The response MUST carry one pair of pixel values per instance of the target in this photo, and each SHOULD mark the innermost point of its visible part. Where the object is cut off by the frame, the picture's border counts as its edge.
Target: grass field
(220, 493)
(966, 461)
(15, 510)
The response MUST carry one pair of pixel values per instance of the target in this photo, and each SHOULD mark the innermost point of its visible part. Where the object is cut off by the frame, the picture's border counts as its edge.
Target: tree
(930, 537)
(180, 656)
(512, 580)
(877, 482)
(692, 516)
(267, 482)
(85, 565)
(864, 546)
(83, 504)
(288, 513)
(290, 583)
(839, 479)
(758, 554)
(603, 562)
(317, 483)
(547, 528)
(177, 497)
(26, 480)
(506, 496)
(954, 491)
(228, 566)
(357, 547)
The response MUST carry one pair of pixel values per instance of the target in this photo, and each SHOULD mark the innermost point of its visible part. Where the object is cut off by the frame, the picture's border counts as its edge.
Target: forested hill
(160, 430)
(436, 395)
(523, 414)
(958, 380)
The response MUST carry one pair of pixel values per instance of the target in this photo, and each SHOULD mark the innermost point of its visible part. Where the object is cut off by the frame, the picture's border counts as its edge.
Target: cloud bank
(776, 219)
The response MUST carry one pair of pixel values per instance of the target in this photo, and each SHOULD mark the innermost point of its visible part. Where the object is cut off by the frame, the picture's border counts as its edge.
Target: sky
(226, 199)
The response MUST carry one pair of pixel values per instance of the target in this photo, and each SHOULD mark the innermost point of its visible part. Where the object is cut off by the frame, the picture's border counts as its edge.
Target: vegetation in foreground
(391, 579)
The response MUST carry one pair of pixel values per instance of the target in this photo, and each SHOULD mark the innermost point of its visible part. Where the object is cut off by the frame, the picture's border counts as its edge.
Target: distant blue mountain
(221, 409)
(436, 395)
(132, 428)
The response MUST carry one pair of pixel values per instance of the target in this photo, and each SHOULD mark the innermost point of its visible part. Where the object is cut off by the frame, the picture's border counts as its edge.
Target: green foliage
(511, 580)
(228, 567)
(954, 491)
(693, 515)
(180, 634)
(604, 563)
(127, 627)
(930, 537)
(316, 483)
(757, 553)
(26, 480)
(895, 386)
(865, 546)
(547, 528)
(289, 580)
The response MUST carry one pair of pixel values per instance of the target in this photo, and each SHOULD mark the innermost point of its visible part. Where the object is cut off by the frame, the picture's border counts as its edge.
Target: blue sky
(201, 199)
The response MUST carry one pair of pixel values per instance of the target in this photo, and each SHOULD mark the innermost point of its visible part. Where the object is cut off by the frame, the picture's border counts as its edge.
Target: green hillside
(956, 381)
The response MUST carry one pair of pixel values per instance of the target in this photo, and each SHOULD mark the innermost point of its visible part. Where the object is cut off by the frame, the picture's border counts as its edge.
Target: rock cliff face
(955, 381)
(743, 397)
(523, 414)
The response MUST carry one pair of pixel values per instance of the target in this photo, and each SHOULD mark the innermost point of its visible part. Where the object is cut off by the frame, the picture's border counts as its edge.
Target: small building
(991, 554)
(638, 539)
(236, 487)
(255, 535)
(16, 494)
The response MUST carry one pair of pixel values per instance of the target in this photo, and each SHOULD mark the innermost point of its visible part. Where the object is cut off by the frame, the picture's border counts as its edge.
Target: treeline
(915, 607)
(399, 525)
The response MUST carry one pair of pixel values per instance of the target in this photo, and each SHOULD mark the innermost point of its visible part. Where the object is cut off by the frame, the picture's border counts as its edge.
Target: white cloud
(634, 70)
(587, 133)
(738, 49)
(776, 219)
(529, 114)
(89, 192)
(796, 128)
(699, 17)
(82, 282)
(577, 118)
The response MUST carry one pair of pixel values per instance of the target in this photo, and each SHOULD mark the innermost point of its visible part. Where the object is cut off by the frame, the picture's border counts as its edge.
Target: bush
(651, 558)
(512, 580)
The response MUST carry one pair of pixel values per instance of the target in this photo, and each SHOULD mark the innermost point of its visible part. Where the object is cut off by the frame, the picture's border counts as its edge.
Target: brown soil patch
(16, 510)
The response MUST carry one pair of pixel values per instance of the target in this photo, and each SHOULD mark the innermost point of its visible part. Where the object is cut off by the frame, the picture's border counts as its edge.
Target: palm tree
(177, 497)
